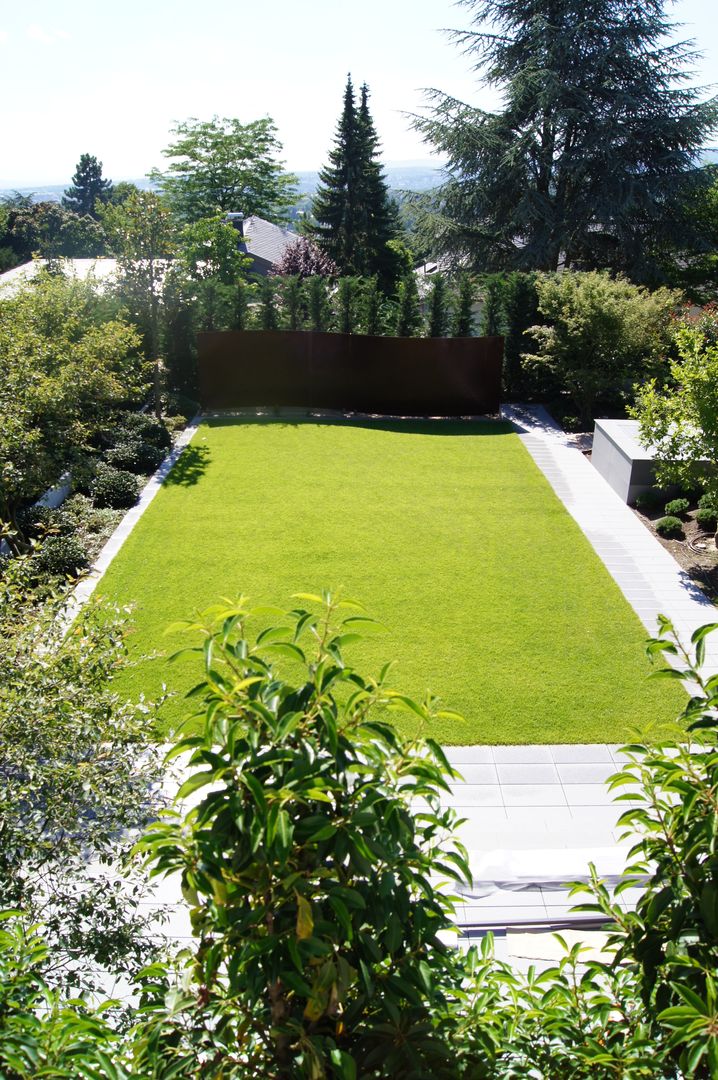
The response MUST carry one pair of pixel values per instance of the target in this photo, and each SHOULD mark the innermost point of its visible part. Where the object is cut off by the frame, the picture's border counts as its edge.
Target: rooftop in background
(99, 269)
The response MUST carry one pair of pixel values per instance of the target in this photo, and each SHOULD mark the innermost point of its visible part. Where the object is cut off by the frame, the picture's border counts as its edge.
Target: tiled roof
(265, 240)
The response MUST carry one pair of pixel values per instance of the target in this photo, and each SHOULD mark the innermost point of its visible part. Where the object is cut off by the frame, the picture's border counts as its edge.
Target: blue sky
(110, 79)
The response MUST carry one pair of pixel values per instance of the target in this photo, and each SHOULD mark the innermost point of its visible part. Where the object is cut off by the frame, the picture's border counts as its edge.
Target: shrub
(707, 518)
(306, 869)
(135, 456)
(670, 528)
(62, 555)
(144, 428)
(708, 502)
(677, 508)
(114, 487)
(650, 500)
(34, 521)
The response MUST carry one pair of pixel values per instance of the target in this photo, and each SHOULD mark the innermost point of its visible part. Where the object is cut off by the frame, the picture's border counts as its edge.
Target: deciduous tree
(220, 166)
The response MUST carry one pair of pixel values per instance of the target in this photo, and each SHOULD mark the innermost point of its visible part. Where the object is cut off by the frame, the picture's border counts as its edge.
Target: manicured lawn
(448, 533)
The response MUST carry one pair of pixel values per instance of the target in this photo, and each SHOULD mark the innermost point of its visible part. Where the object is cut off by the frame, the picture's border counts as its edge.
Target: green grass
(448, 533)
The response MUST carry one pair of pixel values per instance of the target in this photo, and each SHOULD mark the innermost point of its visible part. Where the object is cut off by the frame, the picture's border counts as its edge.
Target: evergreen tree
(293, 301)
(346, 305)
(408, 318)
(355, 216)
(88, 187)
(590, 159)
(268, 315)
(520, 312)
(492, 316)
(464, 314)
(438, 308)
(370, 307)
(320, 312)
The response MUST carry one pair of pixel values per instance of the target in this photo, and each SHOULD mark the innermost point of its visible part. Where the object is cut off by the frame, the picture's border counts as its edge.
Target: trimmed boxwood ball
(671, 528)
(677, 507)
(135, 456)
(117, 488)
(63, 555)
(707, 518)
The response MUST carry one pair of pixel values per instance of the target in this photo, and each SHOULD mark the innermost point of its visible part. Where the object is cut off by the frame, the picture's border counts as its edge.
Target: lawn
(449, 534)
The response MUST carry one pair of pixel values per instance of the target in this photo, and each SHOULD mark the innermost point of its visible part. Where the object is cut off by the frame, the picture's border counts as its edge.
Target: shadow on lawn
(189, 467)
(406, 426)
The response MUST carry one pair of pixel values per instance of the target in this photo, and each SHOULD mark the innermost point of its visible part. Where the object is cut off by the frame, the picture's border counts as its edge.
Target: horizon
(114, 87)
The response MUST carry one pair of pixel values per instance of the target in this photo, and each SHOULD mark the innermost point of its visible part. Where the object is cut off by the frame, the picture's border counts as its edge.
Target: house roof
(266, 241)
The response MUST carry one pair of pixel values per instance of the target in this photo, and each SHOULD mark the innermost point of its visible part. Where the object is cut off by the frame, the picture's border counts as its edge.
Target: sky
(111, 79)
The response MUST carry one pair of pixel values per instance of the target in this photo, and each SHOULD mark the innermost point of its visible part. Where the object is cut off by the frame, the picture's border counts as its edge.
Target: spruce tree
(590, 159)
(88, 187)
(355, 217)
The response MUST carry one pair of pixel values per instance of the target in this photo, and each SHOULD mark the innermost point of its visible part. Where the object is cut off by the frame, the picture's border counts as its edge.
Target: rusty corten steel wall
(352, 372)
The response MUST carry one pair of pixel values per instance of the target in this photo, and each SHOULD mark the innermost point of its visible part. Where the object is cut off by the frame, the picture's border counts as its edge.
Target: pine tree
(320, 312)
(88, 187)
(492, 316)
(346, 305)
(355, 217)
(590, 159)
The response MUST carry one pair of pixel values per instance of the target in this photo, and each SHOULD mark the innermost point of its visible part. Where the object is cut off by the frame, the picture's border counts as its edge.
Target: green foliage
(116, 488)
(305, 868)
(66, 357)
(520, 312)
(177, 331)
(370, 305)
(438, 321)
(679, 417)
(208, 248)
(677, 507)
(267, 313)
(464, 314)
(708, 501)
(221, 166)
(594, 153)
(671, 528)
(145, 427)
(650, 499)
(346, 303)
(77, 769)
(292, 302)
(88, 187)
(408, 309)
(318, 306)
(601, 332)
(134, 456)
(356, 221)
(61, 555)
(492, 316)
(707, 518)
(48, 230)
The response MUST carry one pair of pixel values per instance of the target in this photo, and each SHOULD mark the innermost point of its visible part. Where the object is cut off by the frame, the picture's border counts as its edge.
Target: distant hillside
(401, 177)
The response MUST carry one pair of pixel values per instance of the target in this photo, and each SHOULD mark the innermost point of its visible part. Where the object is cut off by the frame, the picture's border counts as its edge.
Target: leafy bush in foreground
(312, 885)
(707, 518)
(61, 555)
